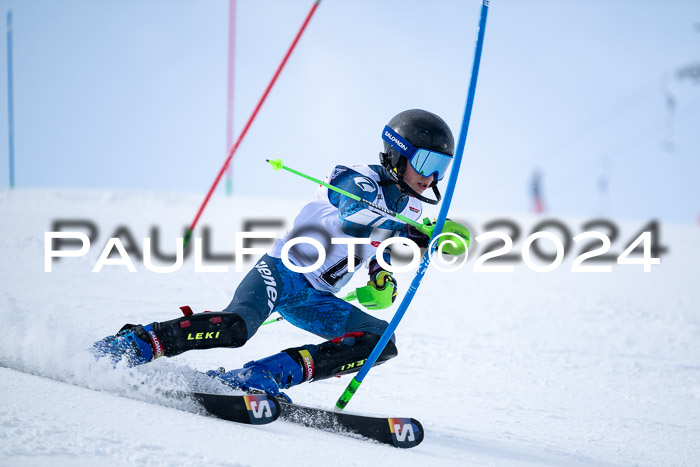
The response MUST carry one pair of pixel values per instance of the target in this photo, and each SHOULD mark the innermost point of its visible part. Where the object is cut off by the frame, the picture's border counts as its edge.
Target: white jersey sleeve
(322, 220)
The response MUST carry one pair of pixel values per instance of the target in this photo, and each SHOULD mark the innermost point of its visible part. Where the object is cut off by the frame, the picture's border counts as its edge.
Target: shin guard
(201, 331)
(340, 356)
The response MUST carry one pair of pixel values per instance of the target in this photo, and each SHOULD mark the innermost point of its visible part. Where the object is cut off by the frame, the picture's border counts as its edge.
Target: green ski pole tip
(276, 164)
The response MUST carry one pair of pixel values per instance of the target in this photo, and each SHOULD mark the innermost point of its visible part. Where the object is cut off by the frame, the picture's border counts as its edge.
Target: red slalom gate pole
(233, 149)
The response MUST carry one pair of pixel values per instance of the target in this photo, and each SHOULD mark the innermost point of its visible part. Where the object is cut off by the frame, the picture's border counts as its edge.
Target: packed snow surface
(502, 368)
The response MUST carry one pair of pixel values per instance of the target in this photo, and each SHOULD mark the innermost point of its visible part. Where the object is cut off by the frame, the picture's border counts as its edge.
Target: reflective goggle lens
(427, 163)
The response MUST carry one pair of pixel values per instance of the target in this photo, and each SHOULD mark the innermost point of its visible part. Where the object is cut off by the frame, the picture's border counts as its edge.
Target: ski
(398, 432)
(251, 409)
(261, 409)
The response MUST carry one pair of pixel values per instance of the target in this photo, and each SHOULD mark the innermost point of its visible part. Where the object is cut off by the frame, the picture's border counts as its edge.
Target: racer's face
(416, 181)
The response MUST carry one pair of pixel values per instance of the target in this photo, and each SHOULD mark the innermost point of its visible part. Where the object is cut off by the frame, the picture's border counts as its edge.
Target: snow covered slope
(516, 368)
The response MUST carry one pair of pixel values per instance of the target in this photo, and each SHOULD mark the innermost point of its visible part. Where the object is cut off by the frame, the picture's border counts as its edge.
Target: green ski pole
(273, 320)
(277, 164)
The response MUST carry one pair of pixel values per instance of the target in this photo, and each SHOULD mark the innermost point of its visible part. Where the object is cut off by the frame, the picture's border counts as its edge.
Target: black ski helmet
(422, 129)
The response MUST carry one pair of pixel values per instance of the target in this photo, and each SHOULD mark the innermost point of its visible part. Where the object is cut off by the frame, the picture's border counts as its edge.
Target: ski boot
(342, 355)
(139, 344)
(135, 343)
(280, 371)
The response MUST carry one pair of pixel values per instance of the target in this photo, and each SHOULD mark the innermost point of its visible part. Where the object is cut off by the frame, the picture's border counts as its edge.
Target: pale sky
(131, 95)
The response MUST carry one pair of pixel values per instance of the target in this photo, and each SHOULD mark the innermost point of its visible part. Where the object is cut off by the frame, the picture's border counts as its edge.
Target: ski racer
(418, 150)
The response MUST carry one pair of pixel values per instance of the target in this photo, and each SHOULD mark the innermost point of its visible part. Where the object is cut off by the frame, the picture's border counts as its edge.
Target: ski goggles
(424, 161)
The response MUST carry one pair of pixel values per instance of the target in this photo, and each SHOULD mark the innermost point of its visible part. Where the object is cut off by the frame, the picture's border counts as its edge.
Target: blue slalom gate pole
(10, 104)
(425, 261)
